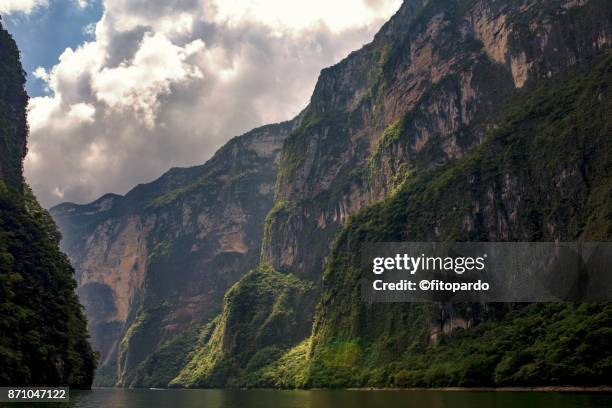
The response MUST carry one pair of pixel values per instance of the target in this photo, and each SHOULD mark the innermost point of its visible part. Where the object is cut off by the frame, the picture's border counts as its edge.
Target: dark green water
(120, 398)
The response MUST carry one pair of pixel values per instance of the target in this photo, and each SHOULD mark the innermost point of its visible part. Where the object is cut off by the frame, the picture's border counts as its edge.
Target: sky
(123, 90)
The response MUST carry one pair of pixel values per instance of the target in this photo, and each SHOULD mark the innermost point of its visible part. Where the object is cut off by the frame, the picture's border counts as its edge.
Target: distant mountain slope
(157, 261)
(43, 335)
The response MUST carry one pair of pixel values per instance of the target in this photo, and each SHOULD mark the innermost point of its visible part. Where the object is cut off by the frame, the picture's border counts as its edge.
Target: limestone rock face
(437, 71)
(158, 260)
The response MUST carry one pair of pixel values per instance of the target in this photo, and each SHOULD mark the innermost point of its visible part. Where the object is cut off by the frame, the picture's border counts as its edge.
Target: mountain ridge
(134, 228)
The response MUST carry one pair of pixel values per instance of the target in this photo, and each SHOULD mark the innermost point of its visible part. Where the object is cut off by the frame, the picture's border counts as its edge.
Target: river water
(123, 398)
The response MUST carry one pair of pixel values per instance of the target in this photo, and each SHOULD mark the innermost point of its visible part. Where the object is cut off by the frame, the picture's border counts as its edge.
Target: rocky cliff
(43, 335)
(386, 149)
(541, 175)
(13, 125)
(442, 128)
(157, 261)
(427, 90)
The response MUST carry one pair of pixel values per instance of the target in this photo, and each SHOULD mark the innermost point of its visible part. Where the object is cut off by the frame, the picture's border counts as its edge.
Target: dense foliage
(162, 366)
(13, 99)
(43, 334)
(249, 334)
(548, 163)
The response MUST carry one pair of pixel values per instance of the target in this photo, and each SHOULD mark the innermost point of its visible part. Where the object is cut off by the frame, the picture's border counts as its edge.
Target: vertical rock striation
(157, 261)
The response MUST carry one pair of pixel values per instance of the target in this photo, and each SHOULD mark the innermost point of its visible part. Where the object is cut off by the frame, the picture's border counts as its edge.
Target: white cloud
(81, 112)
(89, 30)
(138, 85)
(41, 109)
(41, 73)
(164, 83)
(338, 15)
(24, 6)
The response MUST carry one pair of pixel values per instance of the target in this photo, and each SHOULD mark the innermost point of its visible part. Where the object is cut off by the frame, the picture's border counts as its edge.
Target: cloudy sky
(122, 90)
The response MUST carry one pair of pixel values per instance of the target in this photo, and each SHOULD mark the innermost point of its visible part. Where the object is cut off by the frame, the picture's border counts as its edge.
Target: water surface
(122, 398)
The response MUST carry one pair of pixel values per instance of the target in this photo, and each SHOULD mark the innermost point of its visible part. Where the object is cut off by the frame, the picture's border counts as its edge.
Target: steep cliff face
(43, 335)
(424, 92)
(13, 127)
(158, 260)
(263, 316)
(413, 108)
(542, 174)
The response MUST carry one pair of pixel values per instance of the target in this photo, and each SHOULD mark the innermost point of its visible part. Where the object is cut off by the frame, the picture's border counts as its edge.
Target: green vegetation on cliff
(43, 334)
(162, 366)
(250, 332)
(543, 174)
(13, 99)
